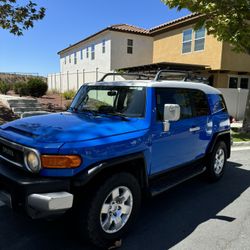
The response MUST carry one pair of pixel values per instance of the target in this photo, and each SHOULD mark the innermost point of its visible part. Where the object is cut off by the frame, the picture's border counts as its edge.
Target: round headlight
(33, 162)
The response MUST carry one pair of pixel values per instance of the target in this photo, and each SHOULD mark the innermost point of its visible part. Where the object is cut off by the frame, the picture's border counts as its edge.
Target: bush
(37, 87)
(21, 88)
(69, 95)
(4, 88)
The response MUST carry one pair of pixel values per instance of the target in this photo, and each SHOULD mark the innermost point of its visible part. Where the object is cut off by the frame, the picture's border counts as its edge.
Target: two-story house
(177, 45)
(114, 47)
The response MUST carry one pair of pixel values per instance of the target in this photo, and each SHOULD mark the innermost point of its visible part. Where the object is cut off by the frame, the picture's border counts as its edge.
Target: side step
(174, 178)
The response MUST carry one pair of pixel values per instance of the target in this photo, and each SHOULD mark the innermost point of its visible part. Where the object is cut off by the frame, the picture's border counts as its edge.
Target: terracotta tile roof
(129, 28)
(176, 21)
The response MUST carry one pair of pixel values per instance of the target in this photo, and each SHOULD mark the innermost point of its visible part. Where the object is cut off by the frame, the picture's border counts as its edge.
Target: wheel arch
(134, 164)
(224, 136)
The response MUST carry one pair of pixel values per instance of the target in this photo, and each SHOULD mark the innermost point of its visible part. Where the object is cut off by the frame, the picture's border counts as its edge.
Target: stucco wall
(142, 50)
(168, 48)
(234, 61)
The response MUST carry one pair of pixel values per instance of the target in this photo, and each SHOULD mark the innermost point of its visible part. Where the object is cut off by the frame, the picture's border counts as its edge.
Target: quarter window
(187, 41)
(199, 43)
(130, 44)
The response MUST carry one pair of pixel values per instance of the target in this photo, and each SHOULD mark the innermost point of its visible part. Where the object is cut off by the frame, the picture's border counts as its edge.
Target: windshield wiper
(123, 117)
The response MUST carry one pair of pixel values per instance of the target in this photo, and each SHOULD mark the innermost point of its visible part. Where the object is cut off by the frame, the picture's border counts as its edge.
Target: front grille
(11, 152)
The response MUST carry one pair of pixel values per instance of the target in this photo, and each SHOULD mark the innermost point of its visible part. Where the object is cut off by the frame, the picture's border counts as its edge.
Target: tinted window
(218, 104)
(200, 104)
(173, 96)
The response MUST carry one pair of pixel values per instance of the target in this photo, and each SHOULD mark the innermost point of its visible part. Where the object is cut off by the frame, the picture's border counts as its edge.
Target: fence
(236, 100)
(72, 81)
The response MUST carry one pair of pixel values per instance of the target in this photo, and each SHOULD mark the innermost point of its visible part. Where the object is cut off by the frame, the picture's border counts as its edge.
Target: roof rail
(140, 76)
(186, 74)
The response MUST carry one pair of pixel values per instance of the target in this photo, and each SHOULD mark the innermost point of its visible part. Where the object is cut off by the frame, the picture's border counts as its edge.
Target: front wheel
(217, 161)
(112, 209)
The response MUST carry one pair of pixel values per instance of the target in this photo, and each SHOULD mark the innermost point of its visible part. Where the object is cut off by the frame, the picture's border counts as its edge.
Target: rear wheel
(217, 161)
(112, 210)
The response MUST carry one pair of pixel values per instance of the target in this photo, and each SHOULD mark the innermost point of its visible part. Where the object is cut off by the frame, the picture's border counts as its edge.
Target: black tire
(90, 222)
(214, 173)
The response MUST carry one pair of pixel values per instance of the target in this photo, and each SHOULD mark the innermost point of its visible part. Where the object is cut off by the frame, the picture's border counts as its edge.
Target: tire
(217, 161)
(111, 211)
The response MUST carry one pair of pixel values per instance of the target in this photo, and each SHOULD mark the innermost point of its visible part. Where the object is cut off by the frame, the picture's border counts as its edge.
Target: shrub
(69, 95)
(37, 87)
(4, 88)
(21, 88)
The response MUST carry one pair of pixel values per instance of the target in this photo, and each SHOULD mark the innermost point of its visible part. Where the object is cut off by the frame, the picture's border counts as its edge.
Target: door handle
(194, 129)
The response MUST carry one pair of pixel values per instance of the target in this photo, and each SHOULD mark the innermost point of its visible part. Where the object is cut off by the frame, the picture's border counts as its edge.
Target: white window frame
(239, 78)
(184, 53)
(75, 57)
(195, 39)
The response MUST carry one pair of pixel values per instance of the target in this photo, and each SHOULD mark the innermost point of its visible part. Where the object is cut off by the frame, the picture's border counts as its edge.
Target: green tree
(16, 18)
(227, 20)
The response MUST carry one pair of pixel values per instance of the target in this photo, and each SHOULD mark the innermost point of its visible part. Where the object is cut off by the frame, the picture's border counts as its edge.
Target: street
(195, 215)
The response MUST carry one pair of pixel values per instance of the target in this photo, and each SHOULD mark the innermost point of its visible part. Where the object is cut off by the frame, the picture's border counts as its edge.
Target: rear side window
(200, 103)
(218, 104)
(173, 96)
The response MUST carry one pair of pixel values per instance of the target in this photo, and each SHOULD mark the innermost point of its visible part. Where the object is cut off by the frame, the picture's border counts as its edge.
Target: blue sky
(68, 21)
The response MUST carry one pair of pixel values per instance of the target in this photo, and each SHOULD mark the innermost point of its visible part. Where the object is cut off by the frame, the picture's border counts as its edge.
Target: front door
(178, 145)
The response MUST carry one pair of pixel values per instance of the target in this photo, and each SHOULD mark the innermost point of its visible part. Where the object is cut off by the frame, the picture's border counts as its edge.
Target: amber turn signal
(61, 161)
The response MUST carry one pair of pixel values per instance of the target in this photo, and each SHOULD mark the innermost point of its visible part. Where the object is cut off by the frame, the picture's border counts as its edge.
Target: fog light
(33, 162)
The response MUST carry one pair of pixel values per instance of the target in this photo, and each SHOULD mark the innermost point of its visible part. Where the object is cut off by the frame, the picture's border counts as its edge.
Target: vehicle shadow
(164, 220)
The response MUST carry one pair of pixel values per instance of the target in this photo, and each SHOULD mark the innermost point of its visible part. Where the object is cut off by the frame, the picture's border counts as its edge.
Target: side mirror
(171, 113)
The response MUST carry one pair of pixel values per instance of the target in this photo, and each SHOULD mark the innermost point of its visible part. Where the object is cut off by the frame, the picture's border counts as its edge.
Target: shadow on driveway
(164, 220)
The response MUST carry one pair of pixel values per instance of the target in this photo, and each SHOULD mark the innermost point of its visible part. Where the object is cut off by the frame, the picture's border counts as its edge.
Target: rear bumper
(37, 196)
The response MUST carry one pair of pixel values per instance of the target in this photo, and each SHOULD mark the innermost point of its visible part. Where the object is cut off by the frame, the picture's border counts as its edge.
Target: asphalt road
(195, 215)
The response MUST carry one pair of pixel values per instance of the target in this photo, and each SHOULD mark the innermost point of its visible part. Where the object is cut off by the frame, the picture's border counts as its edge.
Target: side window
(173, 96)
(218, 104)
(200, 103)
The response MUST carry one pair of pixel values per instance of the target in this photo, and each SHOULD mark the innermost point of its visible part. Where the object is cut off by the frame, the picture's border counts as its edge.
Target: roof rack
(139, 76)
(186, 74)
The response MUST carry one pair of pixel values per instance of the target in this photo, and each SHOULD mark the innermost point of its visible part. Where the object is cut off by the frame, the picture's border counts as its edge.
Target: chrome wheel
(219, 161)
(116, 209)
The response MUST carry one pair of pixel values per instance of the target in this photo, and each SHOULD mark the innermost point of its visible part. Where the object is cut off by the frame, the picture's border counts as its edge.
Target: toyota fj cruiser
(117, 141)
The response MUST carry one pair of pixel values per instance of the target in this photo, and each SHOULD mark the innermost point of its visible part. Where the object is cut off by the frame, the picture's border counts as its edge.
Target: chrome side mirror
(171, 113)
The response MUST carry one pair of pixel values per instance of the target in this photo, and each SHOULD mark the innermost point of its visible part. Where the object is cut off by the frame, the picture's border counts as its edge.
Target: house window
(81, 54)
(69, 58)
(239, 82)
(103, 46)
(92, 52)
(65, 59)
(130, 44)
(87, 52)
(244, 83)
(199, 42)
(187, 41)
(75, 58)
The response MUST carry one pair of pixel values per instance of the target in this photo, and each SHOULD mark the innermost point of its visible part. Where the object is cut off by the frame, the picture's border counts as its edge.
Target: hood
(70, 127)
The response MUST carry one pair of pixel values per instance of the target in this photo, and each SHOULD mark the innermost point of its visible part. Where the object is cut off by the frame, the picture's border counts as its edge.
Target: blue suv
(117, 141)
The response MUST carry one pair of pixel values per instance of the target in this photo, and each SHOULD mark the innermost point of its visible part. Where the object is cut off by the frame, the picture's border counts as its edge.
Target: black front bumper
(19, 184)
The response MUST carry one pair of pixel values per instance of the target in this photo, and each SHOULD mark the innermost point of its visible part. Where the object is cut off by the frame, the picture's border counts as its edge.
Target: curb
(241, 144)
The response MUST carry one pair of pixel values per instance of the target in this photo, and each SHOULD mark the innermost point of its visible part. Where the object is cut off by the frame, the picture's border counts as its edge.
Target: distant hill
(16, 77)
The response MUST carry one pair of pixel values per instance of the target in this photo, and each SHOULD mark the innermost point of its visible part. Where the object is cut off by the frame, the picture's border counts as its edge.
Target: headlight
(33, 162)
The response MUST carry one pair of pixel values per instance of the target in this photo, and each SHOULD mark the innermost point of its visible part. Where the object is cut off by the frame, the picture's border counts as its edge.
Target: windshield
(117, 100)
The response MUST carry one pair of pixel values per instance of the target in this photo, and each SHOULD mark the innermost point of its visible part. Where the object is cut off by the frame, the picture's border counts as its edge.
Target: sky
(67, 22)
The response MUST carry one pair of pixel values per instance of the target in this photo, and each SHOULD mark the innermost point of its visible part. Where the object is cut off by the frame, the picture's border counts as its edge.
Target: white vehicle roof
(162, 84)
